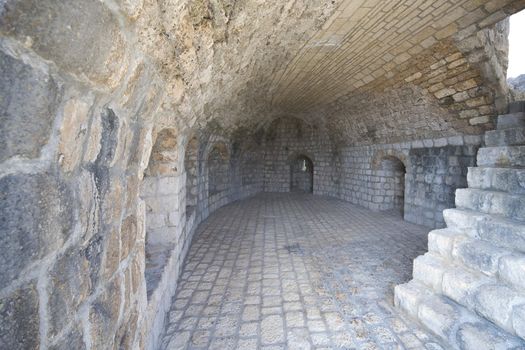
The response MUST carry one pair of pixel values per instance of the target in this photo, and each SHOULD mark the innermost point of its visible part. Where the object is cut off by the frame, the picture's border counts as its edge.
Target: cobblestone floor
(292, 271)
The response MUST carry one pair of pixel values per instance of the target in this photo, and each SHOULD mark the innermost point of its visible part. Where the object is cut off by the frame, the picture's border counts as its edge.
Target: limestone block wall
(431, 184)
(72, 224)
(434, 169)
(288, 138)
(171, 219)
(76, 136)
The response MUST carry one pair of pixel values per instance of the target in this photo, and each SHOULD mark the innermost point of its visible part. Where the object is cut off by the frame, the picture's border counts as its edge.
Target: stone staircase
(469, 289)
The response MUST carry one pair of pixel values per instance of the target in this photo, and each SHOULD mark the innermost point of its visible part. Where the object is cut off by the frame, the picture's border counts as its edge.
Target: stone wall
(72, 223)
(285, 140)
(434, 169)
(434, 176)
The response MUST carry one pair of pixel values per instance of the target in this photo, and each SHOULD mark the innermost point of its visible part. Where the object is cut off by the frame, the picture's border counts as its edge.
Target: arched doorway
(394, 182)
(302, 174)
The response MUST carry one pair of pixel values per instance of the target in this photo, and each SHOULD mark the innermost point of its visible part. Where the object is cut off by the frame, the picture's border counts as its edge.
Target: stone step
(508, 156)
(455, 325)
(429, 269)
(442, 241)
(500, 231)
(478, 255)
(516, 107)
(511, 120)
(485, 295)
(504, 204)
(481, 256)
(497, 179)
(506, 137)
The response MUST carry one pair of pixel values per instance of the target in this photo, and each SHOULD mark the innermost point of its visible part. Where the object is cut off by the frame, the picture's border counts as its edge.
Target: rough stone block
(429, 270)
(408, 296)
(502, 156)
(492, 202)
(19, 319)
(512, 270)
(483, 335)
(73, 133)
(128, 236)
(495, 302)
(480, 255)
(59, 31)
(506, 137)
(439, 315)
(69, 286)
(518, 320)
(73, 339)
(512, 120)
(103, 316)
(442, 241)
(36, 215)
(459, 284)
(28, 106)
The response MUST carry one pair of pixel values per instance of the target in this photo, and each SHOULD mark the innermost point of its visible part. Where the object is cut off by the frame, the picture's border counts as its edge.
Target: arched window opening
(302, 174)
(516, 67)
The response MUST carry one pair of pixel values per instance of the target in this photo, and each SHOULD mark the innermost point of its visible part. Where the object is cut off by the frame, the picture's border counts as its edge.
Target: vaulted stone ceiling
(370, 70)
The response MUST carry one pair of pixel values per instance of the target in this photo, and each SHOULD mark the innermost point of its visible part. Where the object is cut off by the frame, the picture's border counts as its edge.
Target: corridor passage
(296, 271)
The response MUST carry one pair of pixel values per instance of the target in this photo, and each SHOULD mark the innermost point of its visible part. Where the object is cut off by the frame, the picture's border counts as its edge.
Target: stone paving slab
(296, 271)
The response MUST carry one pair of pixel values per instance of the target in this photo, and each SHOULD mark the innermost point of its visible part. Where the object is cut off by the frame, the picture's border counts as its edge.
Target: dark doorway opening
(302, 175)
(395, 179)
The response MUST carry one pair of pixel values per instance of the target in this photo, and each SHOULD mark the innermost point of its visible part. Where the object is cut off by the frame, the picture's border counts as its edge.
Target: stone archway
(161, 199)
(394, 172)
(302, 174)
(191, 167)
(391, 167)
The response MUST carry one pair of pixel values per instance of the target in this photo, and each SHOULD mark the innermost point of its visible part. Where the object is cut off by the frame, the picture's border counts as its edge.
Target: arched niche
(191, 156)
(218, 165)
(301, 174)
(391, 167)
(161, 197)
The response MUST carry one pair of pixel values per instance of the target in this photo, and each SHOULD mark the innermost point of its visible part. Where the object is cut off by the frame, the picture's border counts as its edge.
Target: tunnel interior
(131, 130)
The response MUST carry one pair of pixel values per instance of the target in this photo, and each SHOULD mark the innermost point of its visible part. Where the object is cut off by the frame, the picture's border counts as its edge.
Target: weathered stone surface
(58, 31)
(164, 154)
(19, 319)
(36, 218)
(73, 339)
(484, 336)
(103, 316)
(512, 269)
(126, 333)
(439, 315)
(69, 286)
(29, 101)
(111, 257)
(128, 235)
(72, 133)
